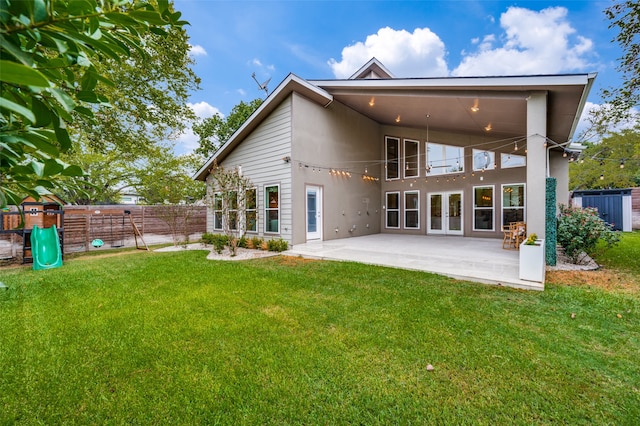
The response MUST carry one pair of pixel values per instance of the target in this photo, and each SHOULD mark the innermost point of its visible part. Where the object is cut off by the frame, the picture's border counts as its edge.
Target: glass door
(314, 213)
(445, 213)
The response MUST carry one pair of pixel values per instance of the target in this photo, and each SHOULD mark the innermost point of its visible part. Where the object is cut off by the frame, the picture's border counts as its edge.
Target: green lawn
(171, 338)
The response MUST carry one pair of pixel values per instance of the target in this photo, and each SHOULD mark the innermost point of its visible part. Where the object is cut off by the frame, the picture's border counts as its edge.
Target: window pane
(484, 197)
(393, 157)
(442, 159)
(251, 199)
(272, 221)
(393, 201)
(252, 220)
(511, 160)
(393, 219)
(233, 220)
(411, 160)
(483, 219)
(272, 197)
(454, 159)
(512, 215)
(411, 200)
(483, 160)
(411, 219)
(217, 201)
(513, 196)
(217, 220)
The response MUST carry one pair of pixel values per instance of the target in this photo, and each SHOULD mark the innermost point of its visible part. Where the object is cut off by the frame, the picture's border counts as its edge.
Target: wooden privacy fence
(113, 225)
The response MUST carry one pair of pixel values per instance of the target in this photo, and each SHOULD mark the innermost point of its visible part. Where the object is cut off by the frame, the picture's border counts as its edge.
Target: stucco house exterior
(430, 156)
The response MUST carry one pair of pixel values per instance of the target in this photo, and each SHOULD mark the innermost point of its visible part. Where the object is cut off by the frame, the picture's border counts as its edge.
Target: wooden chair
(513, 234)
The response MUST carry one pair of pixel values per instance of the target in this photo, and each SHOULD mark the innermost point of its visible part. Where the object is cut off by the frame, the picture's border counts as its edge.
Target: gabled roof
(466, 105)
(290, 84)
(372, 70)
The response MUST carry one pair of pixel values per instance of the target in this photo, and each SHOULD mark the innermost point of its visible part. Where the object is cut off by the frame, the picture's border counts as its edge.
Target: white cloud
(187, 141)
(541, 42)
(197, 50)
(204, 110)
(418, 54)
(582, 130)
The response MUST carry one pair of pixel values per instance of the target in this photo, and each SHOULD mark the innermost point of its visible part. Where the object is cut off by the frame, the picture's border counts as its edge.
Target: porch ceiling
(450, 103)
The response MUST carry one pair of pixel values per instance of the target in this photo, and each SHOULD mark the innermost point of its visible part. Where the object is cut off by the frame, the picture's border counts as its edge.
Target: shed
(614, 206)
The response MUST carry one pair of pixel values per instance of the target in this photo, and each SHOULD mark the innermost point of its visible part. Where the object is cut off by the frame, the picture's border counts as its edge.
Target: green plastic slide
(45, 248)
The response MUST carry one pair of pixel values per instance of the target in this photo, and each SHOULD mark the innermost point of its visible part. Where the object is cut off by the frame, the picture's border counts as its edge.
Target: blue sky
(332, 39)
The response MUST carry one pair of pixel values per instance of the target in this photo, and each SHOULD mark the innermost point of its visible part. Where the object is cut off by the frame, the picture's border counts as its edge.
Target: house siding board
(260, 156)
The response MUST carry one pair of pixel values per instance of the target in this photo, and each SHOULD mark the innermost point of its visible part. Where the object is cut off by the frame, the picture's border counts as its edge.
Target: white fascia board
(583, 101)
(460, 83)
(291, 83)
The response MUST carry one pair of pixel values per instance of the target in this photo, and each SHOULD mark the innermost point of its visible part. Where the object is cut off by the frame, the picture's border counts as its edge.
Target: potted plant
(532, 259)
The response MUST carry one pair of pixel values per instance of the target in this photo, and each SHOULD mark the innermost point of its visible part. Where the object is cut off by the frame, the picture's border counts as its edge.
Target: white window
(444, 159)
(251, 210)
(217, 211)
(513, 203)
(411, 158)
(33, 211)
(272, 209)
(393, 210)
(233, 210)
(510, 160)
(483, 208)
(392, 157)
(483, 160)
(412, 210)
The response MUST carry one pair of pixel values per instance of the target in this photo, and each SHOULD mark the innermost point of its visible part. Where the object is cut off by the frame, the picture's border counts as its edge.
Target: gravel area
(585, 263)
(241, 253)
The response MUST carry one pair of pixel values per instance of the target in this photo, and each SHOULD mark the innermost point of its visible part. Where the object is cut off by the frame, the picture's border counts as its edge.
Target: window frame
(217, 196)
(492, 209)
(492, 160)
(254, 210)
(524, 201)
(387, 209)
(388, 162)
(504, 163)
(409, 210)
(268, 209)
(406, 163)
(435, 170)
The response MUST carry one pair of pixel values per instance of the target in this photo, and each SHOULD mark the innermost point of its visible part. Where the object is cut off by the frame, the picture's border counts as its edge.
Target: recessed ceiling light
(372, 101)
(398, 119)
(488, 127)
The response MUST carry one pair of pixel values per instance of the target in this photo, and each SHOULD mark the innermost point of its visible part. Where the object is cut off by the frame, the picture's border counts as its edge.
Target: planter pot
(532, 262)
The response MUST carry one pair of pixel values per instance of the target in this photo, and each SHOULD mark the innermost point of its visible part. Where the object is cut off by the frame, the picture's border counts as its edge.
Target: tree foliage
(53, 57)
(612, 163)
(620, 102)
(215, 131)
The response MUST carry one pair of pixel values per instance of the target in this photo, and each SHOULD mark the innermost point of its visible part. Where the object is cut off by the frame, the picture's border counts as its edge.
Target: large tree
(215, 131)
(612, 163)
(54, 57)
(621, 102)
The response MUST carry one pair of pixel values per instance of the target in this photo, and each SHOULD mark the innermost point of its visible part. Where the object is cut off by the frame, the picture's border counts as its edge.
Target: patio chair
(513, 234)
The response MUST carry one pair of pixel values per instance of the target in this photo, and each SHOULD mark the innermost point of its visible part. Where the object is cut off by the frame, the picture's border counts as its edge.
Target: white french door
(314, 212)
(444, 213)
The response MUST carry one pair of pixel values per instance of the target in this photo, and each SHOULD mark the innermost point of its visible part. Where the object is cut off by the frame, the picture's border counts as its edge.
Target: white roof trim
(503, 82)
(291, 83)
(373, 66)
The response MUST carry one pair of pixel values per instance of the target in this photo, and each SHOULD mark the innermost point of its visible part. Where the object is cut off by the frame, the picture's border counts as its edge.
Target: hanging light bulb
(622, 163)
(564, 154)
(365, 169)
(601, 177)
(515, 146)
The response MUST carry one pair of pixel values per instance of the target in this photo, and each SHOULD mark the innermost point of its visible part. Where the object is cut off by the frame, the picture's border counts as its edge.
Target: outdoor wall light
(286, 159)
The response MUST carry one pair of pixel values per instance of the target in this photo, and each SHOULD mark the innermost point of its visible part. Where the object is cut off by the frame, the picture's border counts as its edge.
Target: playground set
(41, 226)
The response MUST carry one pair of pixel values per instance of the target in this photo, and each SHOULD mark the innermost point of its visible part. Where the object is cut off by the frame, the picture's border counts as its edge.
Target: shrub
(580, 230)
(243, 242)
(255, 243)
(277, 245)
(219, 241)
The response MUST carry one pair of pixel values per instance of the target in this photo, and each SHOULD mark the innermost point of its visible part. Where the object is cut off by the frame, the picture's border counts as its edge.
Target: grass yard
(171, 338)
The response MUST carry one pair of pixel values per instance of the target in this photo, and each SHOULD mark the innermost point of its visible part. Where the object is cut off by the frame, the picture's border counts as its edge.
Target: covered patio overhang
(472, 259)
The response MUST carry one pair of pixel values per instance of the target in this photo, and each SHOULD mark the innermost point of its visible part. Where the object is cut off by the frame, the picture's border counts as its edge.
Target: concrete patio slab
(473, 259)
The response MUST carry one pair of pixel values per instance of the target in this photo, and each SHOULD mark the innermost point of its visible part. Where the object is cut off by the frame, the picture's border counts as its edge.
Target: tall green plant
(579, 230)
